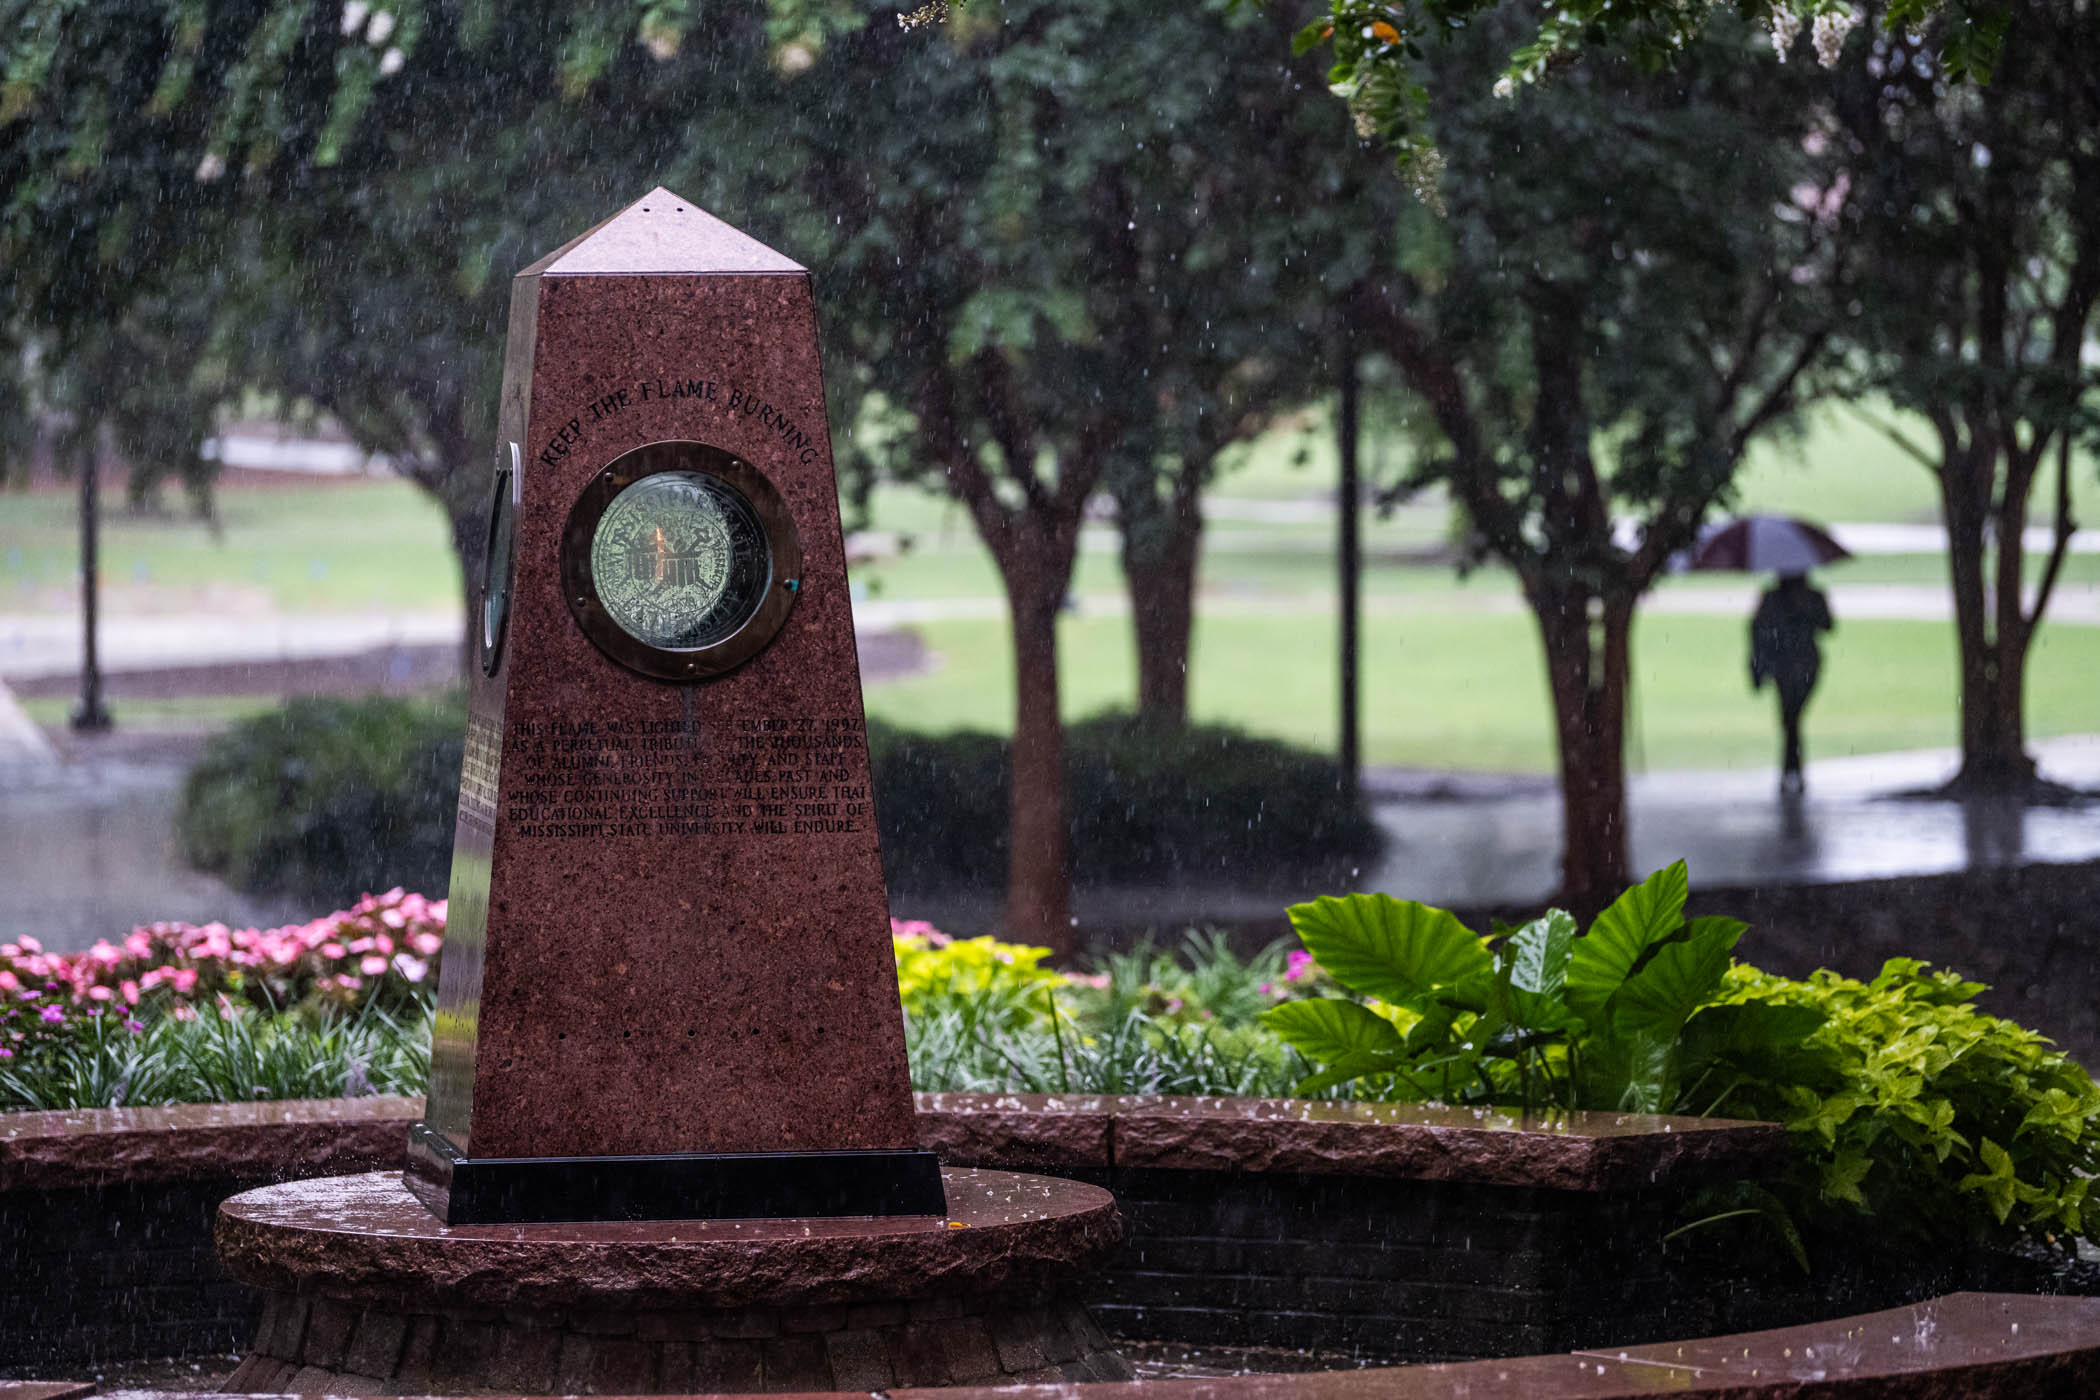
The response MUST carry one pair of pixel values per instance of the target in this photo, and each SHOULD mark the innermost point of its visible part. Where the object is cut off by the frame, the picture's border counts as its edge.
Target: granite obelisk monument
(667, 988)
(669, 1056)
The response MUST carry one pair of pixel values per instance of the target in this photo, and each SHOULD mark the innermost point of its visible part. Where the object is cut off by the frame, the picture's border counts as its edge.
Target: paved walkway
(87, 851)
(1457, 843)
(47, 644)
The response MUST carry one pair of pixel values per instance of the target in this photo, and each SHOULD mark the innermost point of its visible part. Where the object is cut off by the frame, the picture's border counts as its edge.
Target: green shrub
(1903, 1101)
(1144, 803)
(1202, 982)
(940, 805)
(1939, 1121)
(327, 799)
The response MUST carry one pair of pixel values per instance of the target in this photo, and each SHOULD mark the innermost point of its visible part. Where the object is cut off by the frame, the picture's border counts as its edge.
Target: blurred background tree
(1980, 209)
(1603, 318)
(1379, 49)
(1064, 258)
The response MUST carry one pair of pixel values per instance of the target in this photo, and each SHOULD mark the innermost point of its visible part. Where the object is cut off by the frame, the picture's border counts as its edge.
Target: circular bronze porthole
(498, 564)
(679, 561)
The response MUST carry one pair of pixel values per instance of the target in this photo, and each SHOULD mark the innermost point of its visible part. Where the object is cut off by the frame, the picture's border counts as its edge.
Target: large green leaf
(1605, 956)
(1532, 972)
(1432, 1030)
(1327, 1029)
(1352, 1067)
(1392, 949)
(1629, 1073)
(1537, 1012)
(1538, 953)
(1762, 1038)
(1681, 977)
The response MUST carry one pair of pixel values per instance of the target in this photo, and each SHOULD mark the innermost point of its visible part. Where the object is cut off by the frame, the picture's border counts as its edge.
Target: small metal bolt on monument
(669, 1144)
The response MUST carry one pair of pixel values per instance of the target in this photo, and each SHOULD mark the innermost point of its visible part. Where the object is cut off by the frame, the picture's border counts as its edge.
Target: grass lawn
(1844, 467)
(1466, 689)
(1452, 672)
(346, 545)
(179, 712)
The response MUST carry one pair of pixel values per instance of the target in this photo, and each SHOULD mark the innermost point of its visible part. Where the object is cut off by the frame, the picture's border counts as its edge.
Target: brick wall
(1336, 1228)
(1381, 1270)
(125, 1272)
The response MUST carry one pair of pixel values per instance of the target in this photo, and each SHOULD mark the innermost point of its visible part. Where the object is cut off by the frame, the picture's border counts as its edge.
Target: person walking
(1784, 650)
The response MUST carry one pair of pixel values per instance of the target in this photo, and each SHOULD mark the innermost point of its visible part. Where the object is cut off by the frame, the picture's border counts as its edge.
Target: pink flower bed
(384, 945)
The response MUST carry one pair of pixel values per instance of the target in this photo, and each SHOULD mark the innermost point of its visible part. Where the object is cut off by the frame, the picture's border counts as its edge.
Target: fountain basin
(367, 1292)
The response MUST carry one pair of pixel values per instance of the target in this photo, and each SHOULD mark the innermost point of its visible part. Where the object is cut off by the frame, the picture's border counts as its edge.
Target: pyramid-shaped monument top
(661, 233)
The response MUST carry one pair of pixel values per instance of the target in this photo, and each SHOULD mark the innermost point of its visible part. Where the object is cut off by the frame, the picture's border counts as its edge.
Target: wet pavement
(1494, 842)
(87, 851)
(86, 847)
(1484, 841)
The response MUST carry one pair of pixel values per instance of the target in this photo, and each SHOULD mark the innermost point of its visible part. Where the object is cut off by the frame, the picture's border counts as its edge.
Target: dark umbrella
(1759, 544)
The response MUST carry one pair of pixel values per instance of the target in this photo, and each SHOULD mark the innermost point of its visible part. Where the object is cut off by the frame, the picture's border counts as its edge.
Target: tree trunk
(1994, 756)
(1991, 633)
(1161, 545)
(1587, 664)
(1038, 886)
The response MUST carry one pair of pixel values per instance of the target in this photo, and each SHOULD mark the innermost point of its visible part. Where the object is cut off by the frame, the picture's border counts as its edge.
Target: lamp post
(90, 716)
(1349, 552)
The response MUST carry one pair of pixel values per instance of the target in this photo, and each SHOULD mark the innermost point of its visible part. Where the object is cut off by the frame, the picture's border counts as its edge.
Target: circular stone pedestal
(370, 1294)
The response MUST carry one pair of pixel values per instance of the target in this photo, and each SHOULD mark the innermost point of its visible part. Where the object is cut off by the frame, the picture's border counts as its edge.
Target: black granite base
(462, 1190)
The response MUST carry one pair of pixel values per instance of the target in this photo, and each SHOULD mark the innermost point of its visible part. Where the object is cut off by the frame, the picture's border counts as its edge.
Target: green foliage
(327, 798)
(1147, 1021)
(1144, 803)
(1532, 1016)
(1905, 1104)
(1201, 981)
(1914, 1107)
(1904, 1101)
(1004, 985)
(951, 1051)
(1387, 54)
(211, 1057)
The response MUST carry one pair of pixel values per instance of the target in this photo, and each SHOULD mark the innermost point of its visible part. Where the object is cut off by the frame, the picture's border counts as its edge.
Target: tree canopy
(1379, 48)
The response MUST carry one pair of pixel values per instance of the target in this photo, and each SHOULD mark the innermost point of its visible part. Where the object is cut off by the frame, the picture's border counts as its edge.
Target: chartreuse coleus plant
(1942, 1122)
(1627, 1016)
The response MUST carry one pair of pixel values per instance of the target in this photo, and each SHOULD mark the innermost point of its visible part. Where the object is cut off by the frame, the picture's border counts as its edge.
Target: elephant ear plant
(1949, 1127)
(1622, 1017)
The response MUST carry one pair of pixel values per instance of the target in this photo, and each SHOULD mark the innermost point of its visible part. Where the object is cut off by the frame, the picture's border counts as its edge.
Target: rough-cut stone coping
(105, 1146)
(1570, 1151)
(366, 1239)
(1960, 1347)
(1493, 1147)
